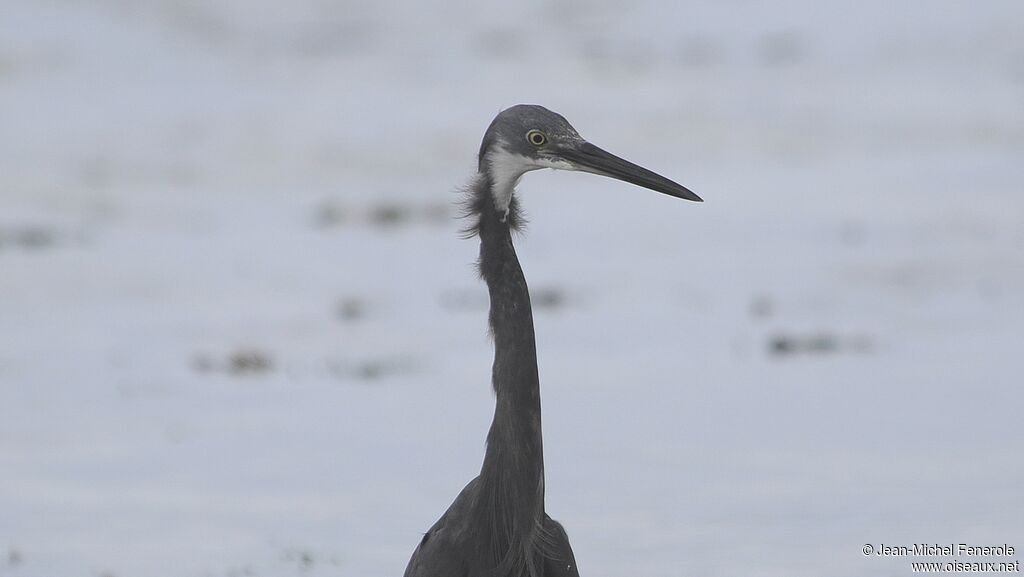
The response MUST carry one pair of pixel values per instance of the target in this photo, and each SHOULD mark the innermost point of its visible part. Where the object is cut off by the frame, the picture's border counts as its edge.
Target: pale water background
(240, 334)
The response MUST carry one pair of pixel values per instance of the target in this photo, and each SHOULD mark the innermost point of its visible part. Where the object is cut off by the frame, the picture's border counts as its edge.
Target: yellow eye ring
(536, 137)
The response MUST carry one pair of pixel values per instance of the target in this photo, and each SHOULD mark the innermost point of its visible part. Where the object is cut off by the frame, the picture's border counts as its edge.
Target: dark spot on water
(14, 557)
(549, 298)
(304, 559)
(388, 215)
(376, 369)
(350, 309)
(821, 343)
(330, 215)
(240, 362)
(249, 361)
(34, 238)
(203, 363)
(391, 215)
(780, 345)
(371, 370)
(28, 237)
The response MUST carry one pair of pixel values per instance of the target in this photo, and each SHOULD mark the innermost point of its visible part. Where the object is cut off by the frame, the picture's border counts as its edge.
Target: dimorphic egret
(497, 526)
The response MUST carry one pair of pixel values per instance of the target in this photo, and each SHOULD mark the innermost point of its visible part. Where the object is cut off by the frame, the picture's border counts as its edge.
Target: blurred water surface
(241, 335)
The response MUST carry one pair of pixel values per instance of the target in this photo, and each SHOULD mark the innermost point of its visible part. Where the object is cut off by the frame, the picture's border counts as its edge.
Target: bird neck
(512, 476)
(515, 434)
(516, 431)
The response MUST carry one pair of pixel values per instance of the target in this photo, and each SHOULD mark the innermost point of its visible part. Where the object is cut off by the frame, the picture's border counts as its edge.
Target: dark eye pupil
(537, 138)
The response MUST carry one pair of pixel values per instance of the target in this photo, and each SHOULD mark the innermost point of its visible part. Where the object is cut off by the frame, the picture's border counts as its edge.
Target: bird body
(498, 526)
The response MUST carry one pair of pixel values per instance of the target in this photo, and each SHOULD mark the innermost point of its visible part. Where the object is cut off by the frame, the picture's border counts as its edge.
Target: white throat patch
(507, 168)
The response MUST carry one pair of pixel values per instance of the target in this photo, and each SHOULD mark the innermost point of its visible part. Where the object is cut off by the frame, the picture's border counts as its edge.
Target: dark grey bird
(497, 526)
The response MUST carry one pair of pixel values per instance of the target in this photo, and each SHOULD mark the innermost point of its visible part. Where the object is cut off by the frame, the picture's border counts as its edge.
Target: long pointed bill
(589, 158)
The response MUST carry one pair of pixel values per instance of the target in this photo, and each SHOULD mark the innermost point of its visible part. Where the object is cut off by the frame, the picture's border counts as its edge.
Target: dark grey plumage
(498, 526)
(511, 124)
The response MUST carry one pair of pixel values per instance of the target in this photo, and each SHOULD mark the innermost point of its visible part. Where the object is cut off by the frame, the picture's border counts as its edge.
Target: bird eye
(536, 137)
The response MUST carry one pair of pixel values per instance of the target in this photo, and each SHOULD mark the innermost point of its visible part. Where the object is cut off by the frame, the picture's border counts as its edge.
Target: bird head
(528, 137)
